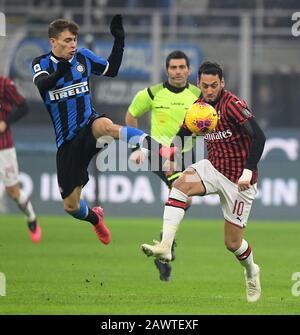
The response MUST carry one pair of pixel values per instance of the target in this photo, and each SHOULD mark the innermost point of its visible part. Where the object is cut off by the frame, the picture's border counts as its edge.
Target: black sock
(32, 225)
(91, 217)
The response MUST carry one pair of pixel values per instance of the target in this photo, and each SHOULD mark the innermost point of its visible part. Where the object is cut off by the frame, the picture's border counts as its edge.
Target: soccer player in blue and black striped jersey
(62, 78)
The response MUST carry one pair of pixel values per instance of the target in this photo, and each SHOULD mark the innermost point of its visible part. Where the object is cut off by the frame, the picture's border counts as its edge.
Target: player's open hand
(245, 180)
(116, 27)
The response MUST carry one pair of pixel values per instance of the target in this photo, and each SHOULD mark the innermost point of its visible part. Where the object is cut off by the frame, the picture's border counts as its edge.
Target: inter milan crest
(80, 68)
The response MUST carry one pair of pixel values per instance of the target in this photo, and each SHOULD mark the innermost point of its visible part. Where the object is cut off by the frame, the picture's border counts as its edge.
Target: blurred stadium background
(255, 41)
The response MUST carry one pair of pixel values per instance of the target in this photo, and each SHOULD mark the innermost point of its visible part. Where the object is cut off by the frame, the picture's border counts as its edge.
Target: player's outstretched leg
(235, 243)
(23, 202)
(35, 231)
(173, 214)
(253, 288)
(159, 250)
(251, 271)
(102, 232)
(164, 269)
(94, 216)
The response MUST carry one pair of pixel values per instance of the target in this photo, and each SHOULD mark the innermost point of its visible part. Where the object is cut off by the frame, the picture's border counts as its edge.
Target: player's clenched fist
(116, 27)
(245, 179)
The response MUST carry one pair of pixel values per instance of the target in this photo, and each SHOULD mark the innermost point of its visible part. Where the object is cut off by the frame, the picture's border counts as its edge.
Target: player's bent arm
(256, 150)
(115, 58)
(17, 113)
(140, 104)
(258, 143)
(131, 121)
(46, 81)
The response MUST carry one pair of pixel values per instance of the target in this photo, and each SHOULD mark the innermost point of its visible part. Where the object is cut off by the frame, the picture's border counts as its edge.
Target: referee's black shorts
(73, 158)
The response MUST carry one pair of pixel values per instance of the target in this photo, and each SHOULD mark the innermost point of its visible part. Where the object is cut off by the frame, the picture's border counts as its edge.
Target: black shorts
(73, 158)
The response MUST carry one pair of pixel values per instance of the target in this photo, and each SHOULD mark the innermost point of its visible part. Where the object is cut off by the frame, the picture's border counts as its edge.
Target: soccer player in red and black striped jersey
(234, 150)
(13, 106)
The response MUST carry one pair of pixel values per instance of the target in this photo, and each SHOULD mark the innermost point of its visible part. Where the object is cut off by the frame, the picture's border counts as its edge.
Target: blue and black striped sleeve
(41, 77)
(109, 67)
(99, 65)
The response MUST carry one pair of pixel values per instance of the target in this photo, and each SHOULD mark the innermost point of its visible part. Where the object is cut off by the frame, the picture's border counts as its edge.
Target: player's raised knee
(189, 184)
(13, 192)
(105, 127)
(180, 184)
(71, 207)
(112, 129)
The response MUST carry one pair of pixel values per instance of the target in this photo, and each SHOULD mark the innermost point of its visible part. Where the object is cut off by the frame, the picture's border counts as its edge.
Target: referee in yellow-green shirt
(168, 103)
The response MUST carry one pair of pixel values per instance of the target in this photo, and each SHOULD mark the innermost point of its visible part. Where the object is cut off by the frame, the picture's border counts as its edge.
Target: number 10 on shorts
(238, 207)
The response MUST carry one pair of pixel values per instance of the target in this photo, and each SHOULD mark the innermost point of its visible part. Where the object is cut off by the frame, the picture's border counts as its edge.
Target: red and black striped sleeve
(12, 94)
(238, 110)
(15, 99)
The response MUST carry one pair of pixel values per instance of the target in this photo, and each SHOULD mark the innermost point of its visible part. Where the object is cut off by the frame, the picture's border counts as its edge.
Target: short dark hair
(210, 68)
(177, 54)
(58, 26)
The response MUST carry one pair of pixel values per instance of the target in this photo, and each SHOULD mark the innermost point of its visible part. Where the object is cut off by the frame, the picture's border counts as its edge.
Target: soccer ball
(201, 118)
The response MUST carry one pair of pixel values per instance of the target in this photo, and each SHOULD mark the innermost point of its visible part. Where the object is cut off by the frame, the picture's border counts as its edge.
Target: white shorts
(9, 171)
(236, 205)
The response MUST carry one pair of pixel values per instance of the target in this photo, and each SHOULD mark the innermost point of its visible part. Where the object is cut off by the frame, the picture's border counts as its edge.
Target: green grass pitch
(70, 272)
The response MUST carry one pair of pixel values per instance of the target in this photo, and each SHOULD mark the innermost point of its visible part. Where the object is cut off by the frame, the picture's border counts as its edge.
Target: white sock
(173, 214)
(245, 256)
(26, 206)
